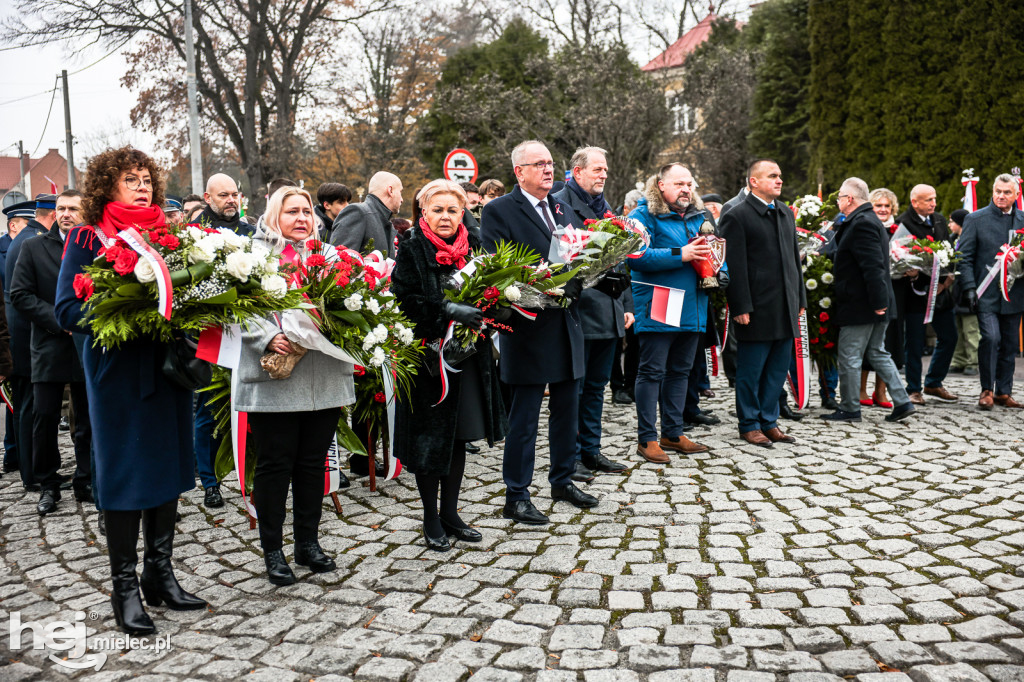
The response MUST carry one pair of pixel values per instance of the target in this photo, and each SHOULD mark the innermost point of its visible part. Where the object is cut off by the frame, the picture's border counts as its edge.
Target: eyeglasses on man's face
(539, 164)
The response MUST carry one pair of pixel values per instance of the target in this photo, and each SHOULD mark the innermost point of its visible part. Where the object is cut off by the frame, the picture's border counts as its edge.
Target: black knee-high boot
(158, 582)
(122, 536)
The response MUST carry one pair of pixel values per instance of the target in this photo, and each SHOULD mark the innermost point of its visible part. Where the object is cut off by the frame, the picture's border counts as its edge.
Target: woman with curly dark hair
(141, 423)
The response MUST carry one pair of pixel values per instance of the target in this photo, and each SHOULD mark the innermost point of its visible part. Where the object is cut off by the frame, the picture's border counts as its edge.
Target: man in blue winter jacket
(673, 215)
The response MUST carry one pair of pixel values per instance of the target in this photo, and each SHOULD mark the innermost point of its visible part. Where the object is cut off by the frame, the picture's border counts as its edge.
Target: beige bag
(281, 366)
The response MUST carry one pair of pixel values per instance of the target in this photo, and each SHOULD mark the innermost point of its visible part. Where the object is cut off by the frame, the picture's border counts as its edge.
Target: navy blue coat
(19, 325)
(5, 245)
(602, 316)
(550, 348)
(985, 231)
(141, 424)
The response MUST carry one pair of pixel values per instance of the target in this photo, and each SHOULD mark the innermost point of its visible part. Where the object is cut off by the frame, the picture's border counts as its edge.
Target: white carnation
(827, 277)
(378, 357)
(240, 264)
(214, 242)
(354, 302)
(811, 284)
(943, 257)
(825, 302)
(195, 233)
(275, 285)
(406, 336)
(232, 242)
(381, 333)
(373, 306)
(512, 293)
(144, 271)
(369, 341)
(201, 252)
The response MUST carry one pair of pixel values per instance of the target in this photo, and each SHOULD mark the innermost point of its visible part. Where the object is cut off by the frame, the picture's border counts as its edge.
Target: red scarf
(447, 254)
(119, 216)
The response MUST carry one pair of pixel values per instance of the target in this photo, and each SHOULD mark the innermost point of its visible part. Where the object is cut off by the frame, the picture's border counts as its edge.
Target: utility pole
(67, 129)
(193, 107)
(21, 168)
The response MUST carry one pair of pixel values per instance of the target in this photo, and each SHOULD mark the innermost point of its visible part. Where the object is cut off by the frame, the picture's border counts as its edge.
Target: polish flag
(221, 345)
(53, 185)
(667, 305)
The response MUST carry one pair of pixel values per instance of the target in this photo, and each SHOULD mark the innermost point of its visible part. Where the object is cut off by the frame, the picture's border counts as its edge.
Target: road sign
(460, 166)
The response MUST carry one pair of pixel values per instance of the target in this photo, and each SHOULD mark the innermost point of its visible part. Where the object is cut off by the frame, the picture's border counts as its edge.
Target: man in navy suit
(545, 352)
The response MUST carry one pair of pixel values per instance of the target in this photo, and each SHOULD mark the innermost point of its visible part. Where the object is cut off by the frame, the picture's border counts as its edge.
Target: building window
(682, 115)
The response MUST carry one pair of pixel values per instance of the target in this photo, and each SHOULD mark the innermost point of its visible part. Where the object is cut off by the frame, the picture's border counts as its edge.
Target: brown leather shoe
(682, 444)
(652, 452)
(986, 400)
(756, 438)
(777, 436)
(917, 399)
(1007, 401)
(941, 394)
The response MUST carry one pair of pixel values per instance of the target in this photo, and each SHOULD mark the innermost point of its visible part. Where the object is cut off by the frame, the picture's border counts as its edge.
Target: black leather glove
(613, 284)
(573, 288)
(499, 313)
(467, 315)
(723, 279)
(969, 300)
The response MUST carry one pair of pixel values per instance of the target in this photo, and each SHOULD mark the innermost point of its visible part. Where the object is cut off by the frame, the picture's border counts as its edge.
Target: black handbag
(183, 369)
(454, 354)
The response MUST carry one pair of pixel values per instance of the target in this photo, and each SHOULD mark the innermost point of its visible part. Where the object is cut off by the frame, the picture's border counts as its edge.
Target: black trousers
(290, 446)
(521, 441)
(48, 397)
(627, 360)
(21, 394)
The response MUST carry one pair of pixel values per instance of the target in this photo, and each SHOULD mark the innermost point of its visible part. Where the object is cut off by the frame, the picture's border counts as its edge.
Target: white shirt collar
(534, 200)
(766, 203)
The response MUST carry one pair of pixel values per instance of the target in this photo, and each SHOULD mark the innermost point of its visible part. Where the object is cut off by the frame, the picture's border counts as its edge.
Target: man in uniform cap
(173, 209)
(42, 220)
(17, 216)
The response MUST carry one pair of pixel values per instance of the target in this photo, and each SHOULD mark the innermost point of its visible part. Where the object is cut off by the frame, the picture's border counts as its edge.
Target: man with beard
(222, 200)
(55, 361)
(766, 297)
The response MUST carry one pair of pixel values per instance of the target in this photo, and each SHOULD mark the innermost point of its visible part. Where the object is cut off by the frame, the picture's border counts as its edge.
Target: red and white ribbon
(444, 366)
(380, 265)
(970, 193)
(525, 313)
(1005, 259)
(221, 345)
(933, 292)
(711, 360)
(394, 465)
(800, 385)
(133, 239)
(5, 393)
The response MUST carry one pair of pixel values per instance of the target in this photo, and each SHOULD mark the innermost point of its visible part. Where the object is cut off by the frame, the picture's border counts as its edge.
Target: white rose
(240, 264)
(378, 357)
(275, 285)
(381, 333)
(144, 271)
(827, 277)
(811, 284)
(373, 306)
(369, 341)
(512, 293)
(354, 302)
(826, 302)
(200, 253)
(214, 242)
(232, 242)
(195, 233)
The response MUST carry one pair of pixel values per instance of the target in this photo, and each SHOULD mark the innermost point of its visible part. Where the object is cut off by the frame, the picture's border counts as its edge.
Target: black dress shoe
(278, 570)
(523, 511)
(440, 544)
(213, 498)
(64, 424)
(601, 463)
(785, 412)
(574, 496)
(47, 502)
(688, 427)
(66, 484)
(582, 473)
(311, 555)
(472, 448)
(622, 398)
(465, 534)
(703, 419)
(11, 467)
(830, 403)
(83, 493)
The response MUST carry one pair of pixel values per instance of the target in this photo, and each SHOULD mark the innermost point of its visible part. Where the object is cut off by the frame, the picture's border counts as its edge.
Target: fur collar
(656, 203)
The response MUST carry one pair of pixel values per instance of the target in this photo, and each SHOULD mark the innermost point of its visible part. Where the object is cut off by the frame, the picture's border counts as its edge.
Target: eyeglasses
(841, 196)
(133, 182)
(539, 164)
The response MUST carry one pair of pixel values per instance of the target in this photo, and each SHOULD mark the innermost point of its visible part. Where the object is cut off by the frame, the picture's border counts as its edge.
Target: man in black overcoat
(606, 310)
(370, 220)
(864, 303)
(545, 352)
(766, 297)
(21, 339)
(985, 232)
(54, 360)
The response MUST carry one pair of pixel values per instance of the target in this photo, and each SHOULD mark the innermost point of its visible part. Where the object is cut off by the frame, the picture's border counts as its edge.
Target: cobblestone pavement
(861, 551)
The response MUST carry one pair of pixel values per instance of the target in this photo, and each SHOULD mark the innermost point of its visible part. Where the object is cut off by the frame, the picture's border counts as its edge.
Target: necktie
(547, 217)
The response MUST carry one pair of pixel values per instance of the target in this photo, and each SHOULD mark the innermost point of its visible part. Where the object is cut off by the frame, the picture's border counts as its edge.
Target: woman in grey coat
(292, 421)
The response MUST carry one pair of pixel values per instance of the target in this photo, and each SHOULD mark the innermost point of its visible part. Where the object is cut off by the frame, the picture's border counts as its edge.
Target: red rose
(929, 237)
(111, 252)
(823, 317)
(125, 262)
(830, 345)
(814, 341)
(314, 245)
(358, 370)
(491, 293)
(379, 397)
(823, 330)
(83, 286)
(316, 260)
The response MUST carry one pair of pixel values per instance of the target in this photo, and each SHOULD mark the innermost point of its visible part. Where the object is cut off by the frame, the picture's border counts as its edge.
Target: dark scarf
(597, 204)
(208, 217)
(447, 254)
